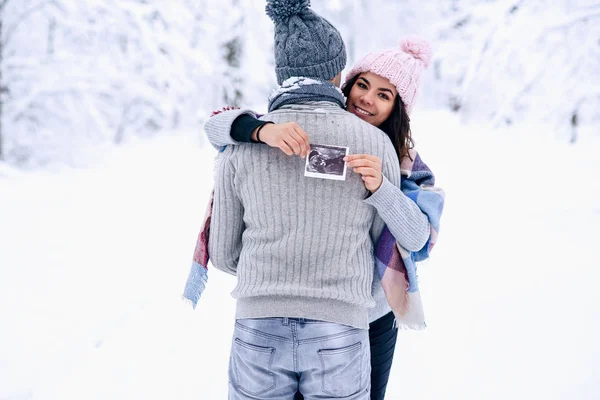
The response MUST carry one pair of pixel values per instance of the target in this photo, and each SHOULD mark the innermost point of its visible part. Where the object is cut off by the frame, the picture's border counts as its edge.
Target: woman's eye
(361, 85)
(384, 96)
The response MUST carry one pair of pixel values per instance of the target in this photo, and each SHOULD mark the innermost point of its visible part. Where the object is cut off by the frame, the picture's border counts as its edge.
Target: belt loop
(285, 321)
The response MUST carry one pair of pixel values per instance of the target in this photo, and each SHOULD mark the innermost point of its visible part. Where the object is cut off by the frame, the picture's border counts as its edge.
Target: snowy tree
(232, 54)
(535, 62)
(2, 6)
(110, 70)
(257, 66)
(18, 63)
(494, 61)
(77, 77)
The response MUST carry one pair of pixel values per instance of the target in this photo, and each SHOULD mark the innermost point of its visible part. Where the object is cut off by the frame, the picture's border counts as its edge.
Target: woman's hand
(288, 137)
(369, 167)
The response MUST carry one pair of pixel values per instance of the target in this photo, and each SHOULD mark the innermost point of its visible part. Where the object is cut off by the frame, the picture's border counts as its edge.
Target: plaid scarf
(198, 276)
(396, 266)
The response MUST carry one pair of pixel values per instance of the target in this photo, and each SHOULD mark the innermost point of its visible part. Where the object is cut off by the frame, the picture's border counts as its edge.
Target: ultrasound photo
(326, 162)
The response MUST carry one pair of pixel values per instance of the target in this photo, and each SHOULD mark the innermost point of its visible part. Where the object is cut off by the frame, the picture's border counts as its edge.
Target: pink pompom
(418, 48)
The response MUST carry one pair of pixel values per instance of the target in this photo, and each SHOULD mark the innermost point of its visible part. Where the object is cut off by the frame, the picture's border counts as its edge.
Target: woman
(380, 89)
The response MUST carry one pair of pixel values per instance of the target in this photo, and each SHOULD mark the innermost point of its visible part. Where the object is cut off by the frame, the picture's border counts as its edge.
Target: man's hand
(369, 167)
(288, 137)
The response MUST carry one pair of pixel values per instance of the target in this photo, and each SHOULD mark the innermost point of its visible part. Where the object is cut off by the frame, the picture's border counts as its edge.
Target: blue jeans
(382, 337)
(273, 358)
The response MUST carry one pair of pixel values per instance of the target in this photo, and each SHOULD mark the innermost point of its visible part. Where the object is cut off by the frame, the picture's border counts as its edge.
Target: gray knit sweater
(303, 247)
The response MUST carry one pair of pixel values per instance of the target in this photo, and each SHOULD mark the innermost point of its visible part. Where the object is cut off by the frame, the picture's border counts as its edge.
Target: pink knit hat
(402, 66)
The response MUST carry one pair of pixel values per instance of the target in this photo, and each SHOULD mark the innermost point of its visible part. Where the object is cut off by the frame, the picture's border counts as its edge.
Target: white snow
(293, 83)
(93, 261)
(79, 75)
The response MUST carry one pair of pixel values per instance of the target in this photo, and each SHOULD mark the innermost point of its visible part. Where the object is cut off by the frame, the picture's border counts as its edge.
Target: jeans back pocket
(342, 370)
(251, 366)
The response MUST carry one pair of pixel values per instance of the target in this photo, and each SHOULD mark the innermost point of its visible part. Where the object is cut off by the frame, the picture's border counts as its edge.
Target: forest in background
(79, 77)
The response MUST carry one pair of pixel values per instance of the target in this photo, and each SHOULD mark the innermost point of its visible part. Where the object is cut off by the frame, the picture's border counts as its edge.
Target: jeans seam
(261, 334)
(294, 345)
(331, 337)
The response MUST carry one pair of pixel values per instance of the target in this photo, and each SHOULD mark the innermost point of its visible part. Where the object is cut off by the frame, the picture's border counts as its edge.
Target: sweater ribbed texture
(407, 223)
(301, 247)
(306, 251)
(402, 216)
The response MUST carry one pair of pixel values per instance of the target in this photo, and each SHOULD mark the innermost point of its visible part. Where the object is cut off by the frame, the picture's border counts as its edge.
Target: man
(301, 247)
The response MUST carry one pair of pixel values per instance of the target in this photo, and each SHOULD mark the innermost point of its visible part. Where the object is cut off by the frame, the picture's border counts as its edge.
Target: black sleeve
(242, 127)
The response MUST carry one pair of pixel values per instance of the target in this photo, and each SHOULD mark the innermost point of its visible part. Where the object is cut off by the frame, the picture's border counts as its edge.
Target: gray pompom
(279, 10)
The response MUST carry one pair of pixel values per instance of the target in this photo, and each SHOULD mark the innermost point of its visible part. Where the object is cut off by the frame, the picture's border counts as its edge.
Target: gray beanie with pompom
(305, 43)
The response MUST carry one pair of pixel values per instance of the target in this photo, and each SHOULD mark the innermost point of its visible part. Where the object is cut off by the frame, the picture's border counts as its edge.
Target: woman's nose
(367, 99)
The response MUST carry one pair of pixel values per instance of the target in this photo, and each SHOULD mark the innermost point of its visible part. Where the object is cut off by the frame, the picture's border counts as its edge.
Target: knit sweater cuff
(218, 127)
(243, 126)
(402, 216)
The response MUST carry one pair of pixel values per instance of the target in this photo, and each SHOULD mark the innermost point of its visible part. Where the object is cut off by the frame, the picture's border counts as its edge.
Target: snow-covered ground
(93, 261)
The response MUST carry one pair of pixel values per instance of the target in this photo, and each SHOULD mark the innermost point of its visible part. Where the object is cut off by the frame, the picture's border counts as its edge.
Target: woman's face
(372, 98)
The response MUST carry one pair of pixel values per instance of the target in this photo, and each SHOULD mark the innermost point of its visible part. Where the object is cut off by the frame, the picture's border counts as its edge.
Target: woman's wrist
(253, 135)
(256, 133)
(244, 126)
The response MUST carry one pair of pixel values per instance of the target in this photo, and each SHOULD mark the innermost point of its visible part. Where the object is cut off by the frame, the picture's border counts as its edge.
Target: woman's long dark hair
(396, 126)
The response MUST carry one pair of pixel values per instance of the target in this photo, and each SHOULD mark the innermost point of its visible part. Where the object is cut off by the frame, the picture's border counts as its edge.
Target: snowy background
(104, 177)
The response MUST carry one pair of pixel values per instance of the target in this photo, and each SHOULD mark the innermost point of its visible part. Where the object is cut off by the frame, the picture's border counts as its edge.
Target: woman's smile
(361, 111)
(372, 98)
